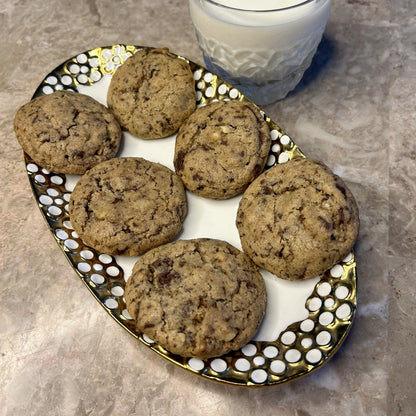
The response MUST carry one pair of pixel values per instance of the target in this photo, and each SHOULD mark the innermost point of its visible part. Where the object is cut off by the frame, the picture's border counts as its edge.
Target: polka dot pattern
(303, 345)
(300, 348)
(98, 271)
(87, 68)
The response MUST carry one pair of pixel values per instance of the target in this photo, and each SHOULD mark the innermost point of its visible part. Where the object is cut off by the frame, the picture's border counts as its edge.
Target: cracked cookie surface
(197, 298)
(152, 93)
(126, 206)
(221, 148)
(298, 219)
(67, 132)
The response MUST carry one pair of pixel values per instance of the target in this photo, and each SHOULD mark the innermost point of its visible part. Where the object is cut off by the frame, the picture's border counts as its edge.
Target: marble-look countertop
(61, 354)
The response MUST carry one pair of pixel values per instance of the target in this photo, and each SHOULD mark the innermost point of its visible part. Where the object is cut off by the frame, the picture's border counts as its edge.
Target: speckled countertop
(60, 354)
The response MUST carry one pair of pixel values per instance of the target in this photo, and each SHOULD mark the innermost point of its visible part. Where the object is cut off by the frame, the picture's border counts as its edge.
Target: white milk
(262, 47)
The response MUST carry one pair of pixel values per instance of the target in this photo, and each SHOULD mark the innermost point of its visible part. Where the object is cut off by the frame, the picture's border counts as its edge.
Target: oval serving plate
(282, 350)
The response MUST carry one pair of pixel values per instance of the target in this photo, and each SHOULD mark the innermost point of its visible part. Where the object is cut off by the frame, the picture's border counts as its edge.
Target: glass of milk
(262, 47)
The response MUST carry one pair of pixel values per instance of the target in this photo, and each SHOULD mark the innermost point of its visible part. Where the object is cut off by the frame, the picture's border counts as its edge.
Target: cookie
(67, 132)
(197, 298)
(152, 93)
(298, 219)
(221, 148)
(126, 206)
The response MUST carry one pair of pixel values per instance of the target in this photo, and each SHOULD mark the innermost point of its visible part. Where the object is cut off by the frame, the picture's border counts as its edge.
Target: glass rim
(302, 3)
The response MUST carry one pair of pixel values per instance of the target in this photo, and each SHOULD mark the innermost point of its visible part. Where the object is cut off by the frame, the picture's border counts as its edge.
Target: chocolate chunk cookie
(152, 93)
(221, 148)
(196, 298)
(67, 132)
(126, 206)
(298, 219)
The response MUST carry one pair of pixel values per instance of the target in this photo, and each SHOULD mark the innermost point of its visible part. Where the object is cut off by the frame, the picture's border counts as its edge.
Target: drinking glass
(262, 47)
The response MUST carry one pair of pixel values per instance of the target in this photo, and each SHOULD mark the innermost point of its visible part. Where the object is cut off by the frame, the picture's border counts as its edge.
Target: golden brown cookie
(152, 93)
(221, 148)
(126, 206)
(298, 219)
(67, 132)
(196, 298)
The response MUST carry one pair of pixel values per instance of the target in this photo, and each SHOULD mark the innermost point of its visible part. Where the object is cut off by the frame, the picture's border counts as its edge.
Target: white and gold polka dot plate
(305, 323)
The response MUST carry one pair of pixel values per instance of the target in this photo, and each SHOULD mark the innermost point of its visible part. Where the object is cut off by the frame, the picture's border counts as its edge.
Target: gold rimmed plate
(305, 322)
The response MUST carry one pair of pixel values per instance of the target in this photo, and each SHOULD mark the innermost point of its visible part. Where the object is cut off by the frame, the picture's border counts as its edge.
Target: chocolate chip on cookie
(152, 93)
(126, 206)
(196, 298)
(221, 148)
(67, 132)
(298, 219)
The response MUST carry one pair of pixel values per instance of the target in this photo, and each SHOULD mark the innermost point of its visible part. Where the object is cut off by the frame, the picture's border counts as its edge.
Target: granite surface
(61, 354)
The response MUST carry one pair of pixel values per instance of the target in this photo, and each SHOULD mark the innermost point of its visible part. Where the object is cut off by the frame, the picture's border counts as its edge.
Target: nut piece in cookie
(126, 206)
(67, 132)
(197, 298)
(221, 148)
(298, 219)
(152, 93)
